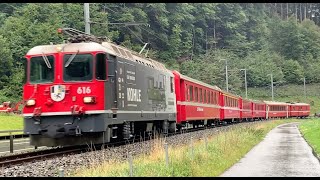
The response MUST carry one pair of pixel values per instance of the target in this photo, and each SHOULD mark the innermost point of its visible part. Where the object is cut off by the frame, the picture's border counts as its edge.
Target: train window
(216, 98)
(205, 96)
(150, 82)
(164, 81)
(111, 65)
(196, 94)
(156, 84)
(101, 66)
(171, 84)
(41, 69)
(77, 67)
(228, 102)
(161, 81)
(209, 97)
(187, 92)
(212, 98)
(191, 93)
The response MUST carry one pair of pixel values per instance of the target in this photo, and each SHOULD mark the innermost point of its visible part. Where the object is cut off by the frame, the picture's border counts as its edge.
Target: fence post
(11, 143)
(191, 146)
(166, 153)
(130, 164)
(206, 141)
(61, 172)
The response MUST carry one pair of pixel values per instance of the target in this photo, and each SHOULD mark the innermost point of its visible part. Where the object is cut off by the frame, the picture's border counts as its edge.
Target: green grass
(10, 122)
(311, 132)
(224, 150)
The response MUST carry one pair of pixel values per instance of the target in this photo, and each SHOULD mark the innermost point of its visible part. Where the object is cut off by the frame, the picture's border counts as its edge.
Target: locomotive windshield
(41, 69)
(78, 67)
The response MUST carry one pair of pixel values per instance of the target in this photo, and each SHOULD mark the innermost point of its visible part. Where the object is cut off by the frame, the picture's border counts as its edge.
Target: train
(90, 90)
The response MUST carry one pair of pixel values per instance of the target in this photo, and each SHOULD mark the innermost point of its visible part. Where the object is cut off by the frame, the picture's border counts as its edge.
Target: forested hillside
(196, 39)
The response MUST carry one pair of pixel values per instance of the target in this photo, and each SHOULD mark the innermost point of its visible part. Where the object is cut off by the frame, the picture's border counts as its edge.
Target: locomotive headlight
(89, 100)
(31, 102)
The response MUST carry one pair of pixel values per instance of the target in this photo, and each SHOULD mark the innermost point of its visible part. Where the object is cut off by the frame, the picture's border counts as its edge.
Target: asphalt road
(283, 153)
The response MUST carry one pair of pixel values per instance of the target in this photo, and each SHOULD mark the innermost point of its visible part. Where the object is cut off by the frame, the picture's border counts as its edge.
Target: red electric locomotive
(83, 92)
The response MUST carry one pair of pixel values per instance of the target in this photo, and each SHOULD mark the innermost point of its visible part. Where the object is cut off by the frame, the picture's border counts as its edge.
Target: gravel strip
(69, 163)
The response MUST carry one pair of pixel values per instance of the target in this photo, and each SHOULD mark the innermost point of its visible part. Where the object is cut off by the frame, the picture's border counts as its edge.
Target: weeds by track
(6, 161)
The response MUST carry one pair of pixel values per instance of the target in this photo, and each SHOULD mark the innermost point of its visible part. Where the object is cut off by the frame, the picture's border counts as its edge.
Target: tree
(292, 71)
(6, 62)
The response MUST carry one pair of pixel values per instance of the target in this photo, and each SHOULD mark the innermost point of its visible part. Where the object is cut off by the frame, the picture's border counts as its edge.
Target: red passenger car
(197, 102)
(259, 110)
(299, 110)
(230, 107)
(246, 110)
(276, 109)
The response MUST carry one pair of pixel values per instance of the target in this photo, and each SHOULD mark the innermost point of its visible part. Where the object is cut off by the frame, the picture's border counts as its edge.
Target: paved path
(282, 153)
(19, 144)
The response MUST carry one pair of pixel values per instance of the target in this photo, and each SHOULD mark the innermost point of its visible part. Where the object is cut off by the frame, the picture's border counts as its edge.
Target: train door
(267, 111)
(111, 96)
(121, 82)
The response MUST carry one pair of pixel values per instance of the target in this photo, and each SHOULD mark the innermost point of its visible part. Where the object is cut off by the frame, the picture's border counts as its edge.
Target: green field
(10, 122)
(310, 130)
(224, 150)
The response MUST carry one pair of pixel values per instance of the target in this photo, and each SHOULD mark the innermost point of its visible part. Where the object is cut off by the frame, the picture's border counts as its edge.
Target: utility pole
(287, 10)
(214, 34)
(206, 40)
(295, 7)
(304, 88)
(300, 13)
(281, 10)
(226, 75)
(305, 10)
(271, 85)
(193, 34)
(245, 81)
(87, 18)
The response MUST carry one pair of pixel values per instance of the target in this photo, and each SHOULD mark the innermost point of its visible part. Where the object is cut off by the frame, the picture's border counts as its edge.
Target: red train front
(63, 84)
(94, 92)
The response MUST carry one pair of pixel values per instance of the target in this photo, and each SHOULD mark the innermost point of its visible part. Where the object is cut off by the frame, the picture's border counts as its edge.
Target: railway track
(6, 161)
(38, 155)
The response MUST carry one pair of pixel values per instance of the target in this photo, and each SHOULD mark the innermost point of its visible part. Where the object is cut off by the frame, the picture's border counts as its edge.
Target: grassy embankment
(224, 150)
(10, 122)
(311, 132)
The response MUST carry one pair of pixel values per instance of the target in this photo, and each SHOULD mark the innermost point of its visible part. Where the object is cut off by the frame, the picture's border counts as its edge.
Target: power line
(135, 35)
